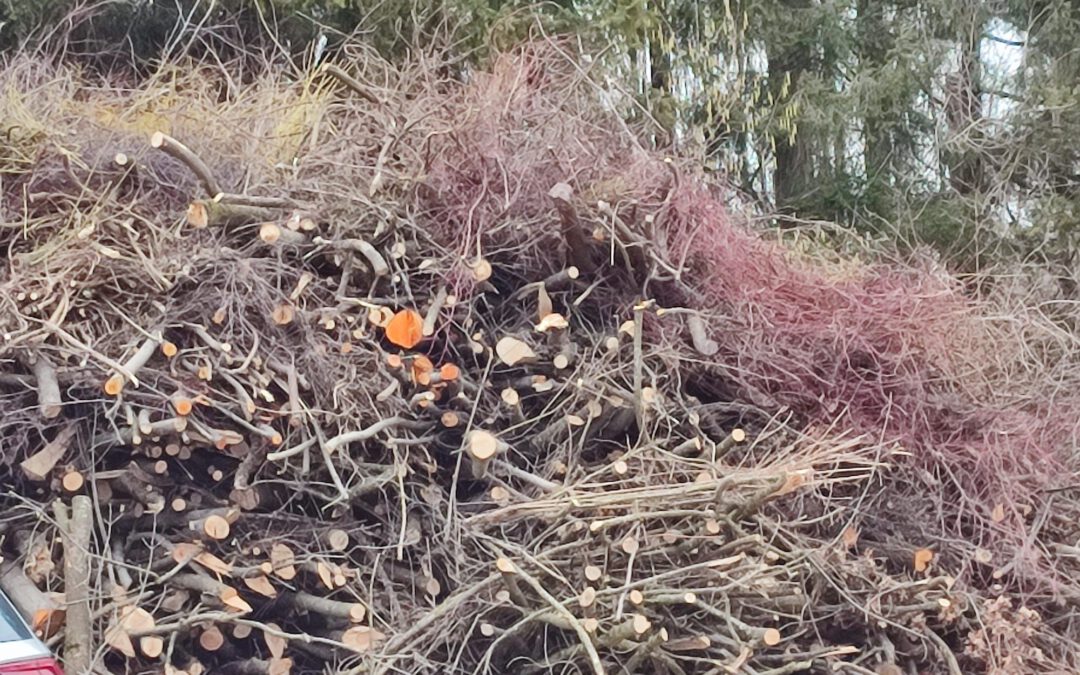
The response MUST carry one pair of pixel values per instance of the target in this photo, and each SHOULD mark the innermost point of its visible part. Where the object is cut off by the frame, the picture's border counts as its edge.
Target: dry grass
(887, 410)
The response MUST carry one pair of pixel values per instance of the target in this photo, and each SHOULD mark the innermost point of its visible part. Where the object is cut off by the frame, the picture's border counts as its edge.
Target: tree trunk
(788, 60)
(875, 43)
(963, 106)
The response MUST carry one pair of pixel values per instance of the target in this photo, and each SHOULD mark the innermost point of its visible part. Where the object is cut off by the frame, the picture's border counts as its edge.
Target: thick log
(76, 530)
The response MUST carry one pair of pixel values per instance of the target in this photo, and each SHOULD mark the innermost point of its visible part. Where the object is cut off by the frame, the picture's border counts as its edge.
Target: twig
(362, 434)
(583, 635)
(349, 81)
(432, 315)
(639, 409)
(376, 261)
(178, 150)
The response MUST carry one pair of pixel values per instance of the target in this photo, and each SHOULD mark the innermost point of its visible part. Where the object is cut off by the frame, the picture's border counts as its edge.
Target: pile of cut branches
(371, 368)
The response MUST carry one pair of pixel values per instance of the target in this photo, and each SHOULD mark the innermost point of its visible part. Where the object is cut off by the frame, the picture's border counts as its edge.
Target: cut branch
(577, 243)
(48, 388)
(76, 530)
(349, 81)
(178, 150)
(356, 245)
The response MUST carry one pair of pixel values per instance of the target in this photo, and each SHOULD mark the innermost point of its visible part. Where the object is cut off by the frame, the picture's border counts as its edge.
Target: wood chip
(513, 351)
(922, 559)
(282, 558)
(261, 585)
(232, 600)
(213, 563)
(361, 639)
(38, 466)
(593, 573)
(552, 322)
(275, 644)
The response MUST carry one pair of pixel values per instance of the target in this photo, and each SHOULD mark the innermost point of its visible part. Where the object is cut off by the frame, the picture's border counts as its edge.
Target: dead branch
(48, 388)
(76, 530)
(176, 149)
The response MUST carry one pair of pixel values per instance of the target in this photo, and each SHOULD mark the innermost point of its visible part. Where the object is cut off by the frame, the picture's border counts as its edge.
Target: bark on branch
(178, 150)
(76, 529)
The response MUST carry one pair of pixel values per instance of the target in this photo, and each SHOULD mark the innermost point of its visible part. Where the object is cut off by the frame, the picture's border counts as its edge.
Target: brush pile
(373, 368)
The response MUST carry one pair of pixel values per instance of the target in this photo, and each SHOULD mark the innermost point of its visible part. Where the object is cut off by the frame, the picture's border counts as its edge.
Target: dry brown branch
(349, 81)
(375, 260)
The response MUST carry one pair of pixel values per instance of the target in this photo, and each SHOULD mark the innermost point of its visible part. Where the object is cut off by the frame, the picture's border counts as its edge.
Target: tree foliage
(943, 122)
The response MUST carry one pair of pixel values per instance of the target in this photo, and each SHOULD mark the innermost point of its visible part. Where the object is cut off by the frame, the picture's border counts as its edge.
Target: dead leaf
(512, 351)
(405, 329)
